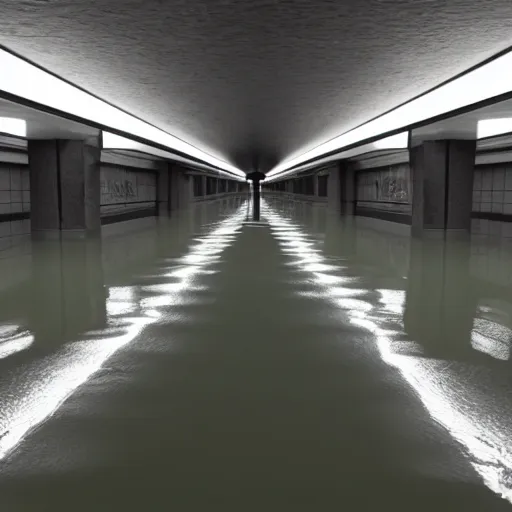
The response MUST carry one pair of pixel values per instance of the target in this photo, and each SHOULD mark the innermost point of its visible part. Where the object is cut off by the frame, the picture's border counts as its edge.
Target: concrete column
(442, 177)
(334, 189)
(315, 185)
(163, 191)
(347, 189)
(180, 188)
(65, 186)
(341, 189)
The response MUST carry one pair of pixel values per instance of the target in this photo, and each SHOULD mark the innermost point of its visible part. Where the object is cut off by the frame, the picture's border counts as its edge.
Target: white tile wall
(14, 198)
(492, 189)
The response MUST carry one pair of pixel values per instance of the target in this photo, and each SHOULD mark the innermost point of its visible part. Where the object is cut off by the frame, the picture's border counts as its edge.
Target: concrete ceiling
(256, 81)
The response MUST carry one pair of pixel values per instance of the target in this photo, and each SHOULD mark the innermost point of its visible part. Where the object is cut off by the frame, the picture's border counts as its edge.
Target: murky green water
(302, 363)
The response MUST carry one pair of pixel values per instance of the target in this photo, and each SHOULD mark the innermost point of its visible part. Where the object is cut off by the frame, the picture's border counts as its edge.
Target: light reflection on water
(33, 393)
(13, 340)
(451, 394)
(452, 398)
(491, 338)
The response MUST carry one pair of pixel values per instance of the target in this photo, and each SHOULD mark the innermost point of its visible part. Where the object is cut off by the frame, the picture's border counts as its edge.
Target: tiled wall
(492, 189)
(122, 190)
(125, 190)
(387, 188)
(14, 199)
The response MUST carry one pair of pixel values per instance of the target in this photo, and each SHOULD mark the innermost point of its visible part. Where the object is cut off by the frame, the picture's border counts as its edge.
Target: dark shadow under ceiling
(256, 81)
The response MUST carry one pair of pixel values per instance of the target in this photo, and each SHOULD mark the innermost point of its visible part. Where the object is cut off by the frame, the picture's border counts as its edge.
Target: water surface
(305, 362)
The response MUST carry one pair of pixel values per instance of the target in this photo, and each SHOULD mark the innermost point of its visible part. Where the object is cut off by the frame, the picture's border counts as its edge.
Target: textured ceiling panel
(256, 81)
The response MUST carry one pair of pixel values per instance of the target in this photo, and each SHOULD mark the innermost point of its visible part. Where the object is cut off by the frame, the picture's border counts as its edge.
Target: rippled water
(306, 362)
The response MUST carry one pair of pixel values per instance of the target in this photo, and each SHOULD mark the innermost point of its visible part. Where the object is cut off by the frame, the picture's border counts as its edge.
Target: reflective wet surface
(305, 362)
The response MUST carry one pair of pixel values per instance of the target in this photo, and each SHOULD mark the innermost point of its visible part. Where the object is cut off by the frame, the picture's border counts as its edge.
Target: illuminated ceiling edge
(349, 153)
(29, 82)
(149, 150)
(487, 88)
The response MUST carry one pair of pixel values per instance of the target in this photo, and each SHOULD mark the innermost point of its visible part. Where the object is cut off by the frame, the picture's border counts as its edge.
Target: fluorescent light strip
(485, 82)
(11, 126)
(398, 141)
(25, 80)
(113, 141)
(493, 127)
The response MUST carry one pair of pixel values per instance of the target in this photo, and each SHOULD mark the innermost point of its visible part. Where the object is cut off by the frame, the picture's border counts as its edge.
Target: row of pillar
(442, 183)
(214, 189)
(65, 187)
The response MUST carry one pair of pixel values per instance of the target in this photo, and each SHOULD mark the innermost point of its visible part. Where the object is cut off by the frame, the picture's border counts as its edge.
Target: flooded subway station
(306, 359)
(255, 256)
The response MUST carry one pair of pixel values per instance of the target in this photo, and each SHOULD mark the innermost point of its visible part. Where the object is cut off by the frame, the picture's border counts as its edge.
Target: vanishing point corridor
(255, 256)
(208, 361)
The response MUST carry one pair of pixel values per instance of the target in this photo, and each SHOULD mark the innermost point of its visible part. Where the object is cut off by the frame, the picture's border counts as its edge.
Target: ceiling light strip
(394, 142)
(112, 141)
(483, 83)
(25, 80)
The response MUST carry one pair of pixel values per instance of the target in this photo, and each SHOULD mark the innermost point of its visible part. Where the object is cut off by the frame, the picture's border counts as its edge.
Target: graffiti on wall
(119, 189)
(393, 189)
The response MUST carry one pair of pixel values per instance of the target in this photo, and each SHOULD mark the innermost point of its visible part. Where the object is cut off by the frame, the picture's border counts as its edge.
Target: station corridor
(207, 361)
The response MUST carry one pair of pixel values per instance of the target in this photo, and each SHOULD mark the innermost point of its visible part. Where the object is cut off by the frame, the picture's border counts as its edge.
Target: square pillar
(64, 186)
(348, 189)
(315, 185)
(163, 191)
(181, 188)
(442, 176)
(341, 189)
(334, 189)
